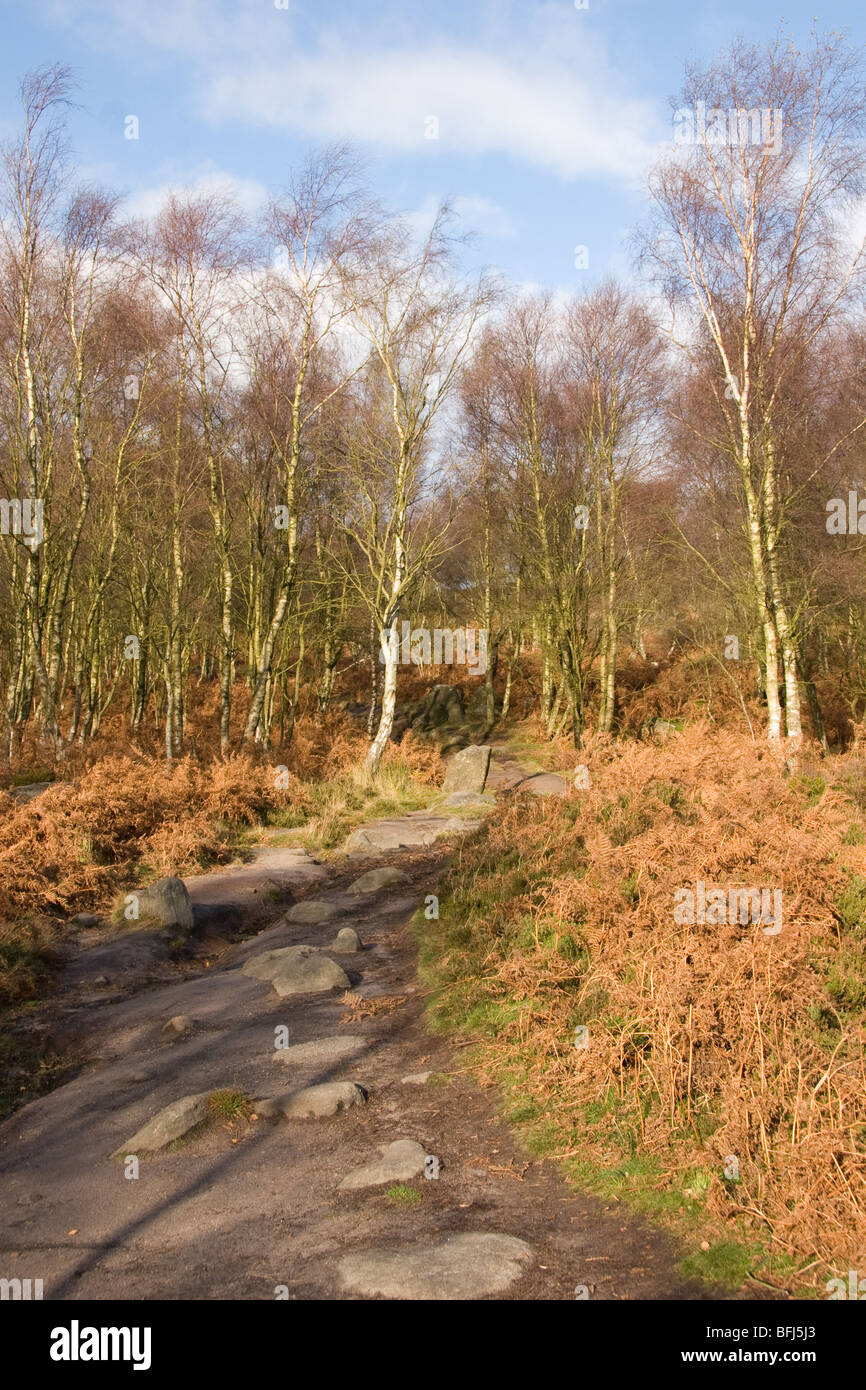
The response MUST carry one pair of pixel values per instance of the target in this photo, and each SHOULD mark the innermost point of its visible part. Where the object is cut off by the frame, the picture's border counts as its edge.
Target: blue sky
(547, 114)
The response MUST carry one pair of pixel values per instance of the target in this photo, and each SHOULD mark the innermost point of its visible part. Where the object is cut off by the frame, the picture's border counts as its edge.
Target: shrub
(708, 1040)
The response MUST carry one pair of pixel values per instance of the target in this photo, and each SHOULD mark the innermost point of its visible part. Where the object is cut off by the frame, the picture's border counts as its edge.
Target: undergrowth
(709, 1073)
(128, 819)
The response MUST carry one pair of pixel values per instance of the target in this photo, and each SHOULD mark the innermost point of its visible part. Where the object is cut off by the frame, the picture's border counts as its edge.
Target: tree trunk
(386, 720)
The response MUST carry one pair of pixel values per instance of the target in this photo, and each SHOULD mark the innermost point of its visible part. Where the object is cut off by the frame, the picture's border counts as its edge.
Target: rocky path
(367, 1164)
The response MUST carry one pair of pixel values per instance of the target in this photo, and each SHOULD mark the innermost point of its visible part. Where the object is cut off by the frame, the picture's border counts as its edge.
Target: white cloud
(544, 93)
(485, 217)
(546, 115)
(249, 194)
(472, 212)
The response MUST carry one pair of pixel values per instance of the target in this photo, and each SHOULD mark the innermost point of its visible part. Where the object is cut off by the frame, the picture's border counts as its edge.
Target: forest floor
(249, 1204)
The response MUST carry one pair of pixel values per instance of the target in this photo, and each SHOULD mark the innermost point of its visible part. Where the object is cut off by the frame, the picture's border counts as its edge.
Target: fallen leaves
(359, 1007)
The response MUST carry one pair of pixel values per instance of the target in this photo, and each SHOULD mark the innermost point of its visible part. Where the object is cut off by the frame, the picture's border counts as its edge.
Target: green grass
(227, 1105)
(337, 806)
(851, 904)
(629, 889)
(671, 794)
(812, 788)
(846, 983)
(726, 1262)
(27, 779)
(638, 1179)
(223, 1107)
(624, 821)
(402, 1196)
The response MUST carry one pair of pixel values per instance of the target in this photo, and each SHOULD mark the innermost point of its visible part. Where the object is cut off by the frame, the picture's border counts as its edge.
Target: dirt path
(258, 1208)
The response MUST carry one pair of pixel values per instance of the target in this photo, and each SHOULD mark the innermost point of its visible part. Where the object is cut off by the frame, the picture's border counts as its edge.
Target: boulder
(297, 970)
(28, 792)
(400, 1161)
(450, 740)
(454, 1267)
(405, 832)
(166, 902)
(382, 835)
(311, 912)
(544, 784)
(376, 879)
(346, 941)
(84, 919)
(313, 1102)
(310, 977)
(504, 775)
(169, 1124)
(442, 705)
(466, 771)
(178, 1026)
(469, 799)
(476, 706)
(320, 1052)
(663, 728)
